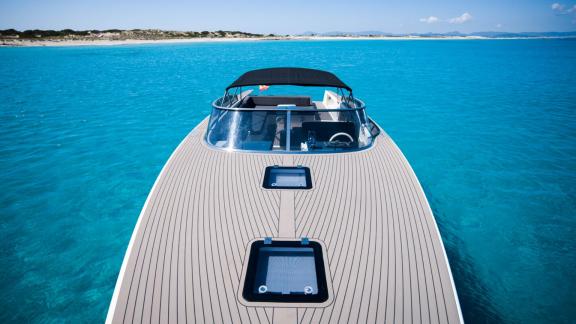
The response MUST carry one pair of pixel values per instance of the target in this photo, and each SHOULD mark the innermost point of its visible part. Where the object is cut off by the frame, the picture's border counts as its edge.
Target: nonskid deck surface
(386, 260)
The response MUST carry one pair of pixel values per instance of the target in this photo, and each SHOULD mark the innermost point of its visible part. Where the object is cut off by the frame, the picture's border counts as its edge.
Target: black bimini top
(289, 76)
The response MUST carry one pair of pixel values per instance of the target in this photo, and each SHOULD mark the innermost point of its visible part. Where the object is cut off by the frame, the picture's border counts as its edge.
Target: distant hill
(118, 34)
(526, 34)
(488, 34)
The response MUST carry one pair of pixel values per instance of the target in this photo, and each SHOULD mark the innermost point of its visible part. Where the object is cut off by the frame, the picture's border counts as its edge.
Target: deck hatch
(281, 177)
(285, 272)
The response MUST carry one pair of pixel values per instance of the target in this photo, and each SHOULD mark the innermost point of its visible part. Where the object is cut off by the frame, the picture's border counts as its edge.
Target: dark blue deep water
(489, 127)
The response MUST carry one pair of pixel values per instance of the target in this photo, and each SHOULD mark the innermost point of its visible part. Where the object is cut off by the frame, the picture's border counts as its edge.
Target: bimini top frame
(289, 76)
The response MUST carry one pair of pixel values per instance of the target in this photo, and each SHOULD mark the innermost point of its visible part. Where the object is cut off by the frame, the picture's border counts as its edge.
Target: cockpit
(244, 121)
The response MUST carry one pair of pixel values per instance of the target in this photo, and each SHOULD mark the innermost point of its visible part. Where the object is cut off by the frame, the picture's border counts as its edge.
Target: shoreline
(109, 42)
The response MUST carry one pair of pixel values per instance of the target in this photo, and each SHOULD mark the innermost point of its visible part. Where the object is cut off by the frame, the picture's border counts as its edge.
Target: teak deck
(184, 263)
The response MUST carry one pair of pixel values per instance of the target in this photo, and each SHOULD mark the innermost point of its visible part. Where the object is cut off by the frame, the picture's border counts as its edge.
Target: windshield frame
(228, 102)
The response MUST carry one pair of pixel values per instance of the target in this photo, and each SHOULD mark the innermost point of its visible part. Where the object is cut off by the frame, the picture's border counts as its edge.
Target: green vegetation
(117, 34)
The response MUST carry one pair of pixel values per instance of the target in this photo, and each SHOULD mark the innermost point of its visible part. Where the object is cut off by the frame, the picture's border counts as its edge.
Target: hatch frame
(266, 183)
(324, 280)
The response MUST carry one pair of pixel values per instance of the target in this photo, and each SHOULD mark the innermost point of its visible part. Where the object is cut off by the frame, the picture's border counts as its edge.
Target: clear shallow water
(489, 127)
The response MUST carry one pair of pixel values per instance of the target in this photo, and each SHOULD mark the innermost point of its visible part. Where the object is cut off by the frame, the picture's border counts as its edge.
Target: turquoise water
(489, 127)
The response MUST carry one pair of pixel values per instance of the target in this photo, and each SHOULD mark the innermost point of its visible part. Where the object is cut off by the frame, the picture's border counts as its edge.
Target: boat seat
(261, 121)
(272, 101)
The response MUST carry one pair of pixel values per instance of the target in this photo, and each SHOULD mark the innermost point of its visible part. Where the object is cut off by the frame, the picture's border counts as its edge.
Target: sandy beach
(108, 42)
(111, 42)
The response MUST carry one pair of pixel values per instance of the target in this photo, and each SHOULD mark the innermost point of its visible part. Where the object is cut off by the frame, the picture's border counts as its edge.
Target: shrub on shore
(118, 34)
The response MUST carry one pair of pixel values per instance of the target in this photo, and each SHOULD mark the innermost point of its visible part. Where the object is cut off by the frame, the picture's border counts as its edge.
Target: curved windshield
(302, 130)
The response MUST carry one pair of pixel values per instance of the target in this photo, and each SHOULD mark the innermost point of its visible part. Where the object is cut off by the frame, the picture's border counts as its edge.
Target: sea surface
(488, 126)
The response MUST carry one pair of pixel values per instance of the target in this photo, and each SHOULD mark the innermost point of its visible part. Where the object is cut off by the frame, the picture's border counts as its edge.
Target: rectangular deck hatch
(280, 177)
(285, 272)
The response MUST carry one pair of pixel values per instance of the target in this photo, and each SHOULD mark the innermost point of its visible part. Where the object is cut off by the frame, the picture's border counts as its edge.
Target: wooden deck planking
(386, 260)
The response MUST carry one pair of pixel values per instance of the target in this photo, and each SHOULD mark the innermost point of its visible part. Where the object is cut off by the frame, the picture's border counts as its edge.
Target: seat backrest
(300, 101)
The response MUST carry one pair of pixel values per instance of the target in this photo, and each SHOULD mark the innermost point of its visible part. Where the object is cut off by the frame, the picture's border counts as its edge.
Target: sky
(293, 16)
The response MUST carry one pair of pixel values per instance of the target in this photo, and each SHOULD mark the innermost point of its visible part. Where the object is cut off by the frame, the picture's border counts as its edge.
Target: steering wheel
(333, 142)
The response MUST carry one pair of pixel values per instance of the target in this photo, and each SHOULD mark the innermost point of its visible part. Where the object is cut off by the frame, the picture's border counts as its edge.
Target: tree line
(38, 33)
